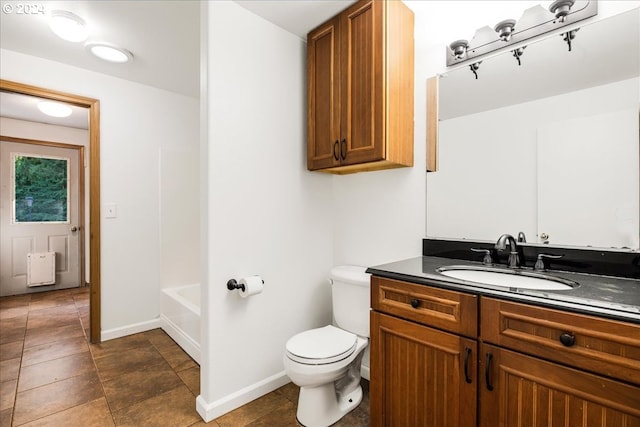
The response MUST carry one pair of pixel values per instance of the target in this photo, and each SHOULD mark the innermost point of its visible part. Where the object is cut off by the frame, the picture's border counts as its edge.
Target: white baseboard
(212, 410)
(186, 342)
(123, 331)
(364, 371)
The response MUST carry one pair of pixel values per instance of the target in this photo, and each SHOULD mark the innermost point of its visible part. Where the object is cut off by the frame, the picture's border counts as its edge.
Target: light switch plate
(110, 210)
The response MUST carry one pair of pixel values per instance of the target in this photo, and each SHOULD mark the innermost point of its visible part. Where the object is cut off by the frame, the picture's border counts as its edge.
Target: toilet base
(320, 407)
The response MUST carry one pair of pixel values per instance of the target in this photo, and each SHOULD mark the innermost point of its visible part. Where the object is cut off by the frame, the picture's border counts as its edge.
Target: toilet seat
(321, 346)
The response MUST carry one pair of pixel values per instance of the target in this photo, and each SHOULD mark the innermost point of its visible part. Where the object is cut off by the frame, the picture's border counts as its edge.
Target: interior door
(39, 212)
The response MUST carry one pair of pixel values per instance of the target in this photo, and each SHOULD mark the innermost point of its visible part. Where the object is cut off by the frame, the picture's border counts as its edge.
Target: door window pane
(41, 192)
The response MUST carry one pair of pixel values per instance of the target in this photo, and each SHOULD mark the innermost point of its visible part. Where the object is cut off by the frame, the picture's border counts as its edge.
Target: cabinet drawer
(448, 310)
(603, 346)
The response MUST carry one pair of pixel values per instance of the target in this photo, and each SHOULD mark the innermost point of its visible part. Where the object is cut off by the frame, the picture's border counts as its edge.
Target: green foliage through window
(40, 189)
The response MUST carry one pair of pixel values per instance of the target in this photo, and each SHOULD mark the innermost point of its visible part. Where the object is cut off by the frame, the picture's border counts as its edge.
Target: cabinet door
(527, 391)
(323, 73)
(420, 376)
(362, 50)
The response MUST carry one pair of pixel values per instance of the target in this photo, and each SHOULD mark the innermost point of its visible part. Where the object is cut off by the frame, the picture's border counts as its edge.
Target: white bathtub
(180, 317)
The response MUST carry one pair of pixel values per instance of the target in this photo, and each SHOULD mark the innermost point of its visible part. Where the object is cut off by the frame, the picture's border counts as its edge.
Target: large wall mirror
(549, 147)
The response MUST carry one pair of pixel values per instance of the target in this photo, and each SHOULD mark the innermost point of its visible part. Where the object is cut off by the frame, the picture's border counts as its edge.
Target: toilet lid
(323, 345)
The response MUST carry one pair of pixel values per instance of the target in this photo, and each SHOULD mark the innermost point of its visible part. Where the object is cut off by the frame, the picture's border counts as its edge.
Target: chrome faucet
(501, 244)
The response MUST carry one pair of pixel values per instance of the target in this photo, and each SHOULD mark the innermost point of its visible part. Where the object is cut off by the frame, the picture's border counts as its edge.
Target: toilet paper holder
(233, 284)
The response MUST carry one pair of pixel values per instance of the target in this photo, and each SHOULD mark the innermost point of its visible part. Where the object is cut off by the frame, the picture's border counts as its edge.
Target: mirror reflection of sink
(520, 279)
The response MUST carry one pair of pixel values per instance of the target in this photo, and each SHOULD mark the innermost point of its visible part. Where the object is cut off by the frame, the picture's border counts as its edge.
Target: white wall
(266, 214)
(179, 215)
(67, 135)
(136, 122)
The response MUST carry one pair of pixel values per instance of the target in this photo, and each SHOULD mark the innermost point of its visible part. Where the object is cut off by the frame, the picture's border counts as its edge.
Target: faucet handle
(540, 265)
(487, 260)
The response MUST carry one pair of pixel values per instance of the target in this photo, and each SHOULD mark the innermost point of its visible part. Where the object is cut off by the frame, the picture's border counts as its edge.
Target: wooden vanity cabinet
(446, 358)
(420, 375)
(520, 390)
(549, 367)
(360, 77)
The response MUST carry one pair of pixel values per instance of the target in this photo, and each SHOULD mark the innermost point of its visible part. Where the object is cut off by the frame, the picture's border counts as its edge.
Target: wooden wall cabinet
(525, 365)
(360, 71)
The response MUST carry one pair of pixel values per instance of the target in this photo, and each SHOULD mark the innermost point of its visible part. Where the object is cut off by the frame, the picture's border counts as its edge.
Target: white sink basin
(507, 278)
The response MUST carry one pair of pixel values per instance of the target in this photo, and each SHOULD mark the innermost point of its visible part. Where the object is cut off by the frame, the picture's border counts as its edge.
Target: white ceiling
(163, 36)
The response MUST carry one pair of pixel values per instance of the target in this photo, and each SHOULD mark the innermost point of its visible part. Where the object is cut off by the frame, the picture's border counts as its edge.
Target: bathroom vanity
(449, 352)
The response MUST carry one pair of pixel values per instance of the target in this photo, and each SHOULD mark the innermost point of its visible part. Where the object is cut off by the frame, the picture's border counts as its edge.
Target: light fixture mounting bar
(534, 22)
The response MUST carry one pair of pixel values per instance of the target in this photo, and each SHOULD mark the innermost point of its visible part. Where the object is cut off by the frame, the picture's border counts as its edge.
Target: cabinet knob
(415, 302)
(567, 339)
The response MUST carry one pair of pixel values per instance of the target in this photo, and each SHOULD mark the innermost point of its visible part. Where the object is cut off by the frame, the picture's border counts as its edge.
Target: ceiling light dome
(109, 52)
(68, 26)
(54, 109)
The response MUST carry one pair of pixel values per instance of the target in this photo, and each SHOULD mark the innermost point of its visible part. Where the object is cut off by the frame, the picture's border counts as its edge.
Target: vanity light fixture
(459, 48)
(505, 28)
(534, 22)
(568, 36)
(109, 52)
(68, 26)
(517, 53)
(561, 8)
(474, 68)
(54, 109)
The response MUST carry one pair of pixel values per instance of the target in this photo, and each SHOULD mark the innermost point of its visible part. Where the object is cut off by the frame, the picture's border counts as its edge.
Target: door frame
(94, 188)
(81, 196)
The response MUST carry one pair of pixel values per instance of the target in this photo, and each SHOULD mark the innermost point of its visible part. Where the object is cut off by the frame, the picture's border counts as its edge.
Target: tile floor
(51, 376)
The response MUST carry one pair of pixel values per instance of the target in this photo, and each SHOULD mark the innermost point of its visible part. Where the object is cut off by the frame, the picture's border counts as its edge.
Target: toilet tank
(351, 298)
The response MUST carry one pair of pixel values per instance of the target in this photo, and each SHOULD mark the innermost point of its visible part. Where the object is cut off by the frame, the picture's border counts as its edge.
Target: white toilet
(325, 362)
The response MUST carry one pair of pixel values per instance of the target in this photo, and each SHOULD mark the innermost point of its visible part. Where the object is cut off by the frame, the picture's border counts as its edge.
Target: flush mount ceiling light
(68, 26)
(109, 52)
(505, 28)
(54, 109)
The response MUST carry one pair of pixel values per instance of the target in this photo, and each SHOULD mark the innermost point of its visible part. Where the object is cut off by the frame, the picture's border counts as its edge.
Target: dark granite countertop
(604, 296)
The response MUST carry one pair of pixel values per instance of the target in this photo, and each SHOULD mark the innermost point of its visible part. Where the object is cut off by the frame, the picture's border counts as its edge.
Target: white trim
(364, 371)
(212, 410)
(123, 331)
(185, 341)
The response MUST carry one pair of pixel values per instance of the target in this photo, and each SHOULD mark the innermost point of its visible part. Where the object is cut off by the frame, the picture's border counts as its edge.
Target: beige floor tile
(39, 336)
(114, 365)
(10, 350)
(93, 414)
(175, 408)
(119, 345)
(281, 416)
(54, 350)
(9, 369)
(55, 397)
(191, 378)
(5, 417)
(7, 394)
(177, 358)
(40, 374)
(128, 389)
(252, 411)
(290, 391)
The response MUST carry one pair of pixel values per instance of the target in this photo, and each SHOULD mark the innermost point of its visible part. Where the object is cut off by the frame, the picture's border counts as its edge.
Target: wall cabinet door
(421, 377)
(323, 74)
(360, 67)
(519, 390)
